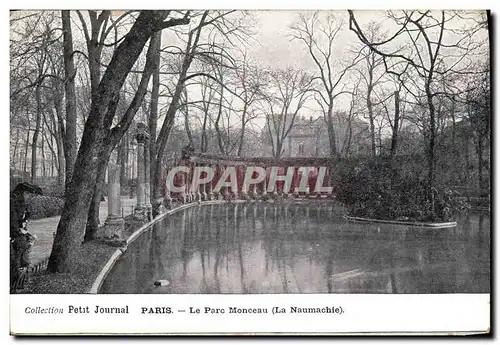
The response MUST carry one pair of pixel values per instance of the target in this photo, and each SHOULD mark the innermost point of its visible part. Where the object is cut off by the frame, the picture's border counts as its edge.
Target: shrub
(397, 190)
(42, 206)
(53, 190)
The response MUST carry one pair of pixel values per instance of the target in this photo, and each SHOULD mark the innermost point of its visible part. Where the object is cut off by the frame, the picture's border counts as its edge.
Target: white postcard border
(340, 313)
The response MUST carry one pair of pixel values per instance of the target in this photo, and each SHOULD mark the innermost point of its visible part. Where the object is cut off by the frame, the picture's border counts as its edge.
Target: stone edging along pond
(443, 225)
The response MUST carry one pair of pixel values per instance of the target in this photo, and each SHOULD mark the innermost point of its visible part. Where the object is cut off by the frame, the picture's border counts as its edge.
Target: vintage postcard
(250, 172)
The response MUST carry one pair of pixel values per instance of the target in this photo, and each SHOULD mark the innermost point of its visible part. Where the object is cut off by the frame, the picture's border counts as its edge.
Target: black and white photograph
(328, 155)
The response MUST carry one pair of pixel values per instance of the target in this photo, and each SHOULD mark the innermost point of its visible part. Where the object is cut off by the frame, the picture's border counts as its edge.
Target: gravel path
(45, 229)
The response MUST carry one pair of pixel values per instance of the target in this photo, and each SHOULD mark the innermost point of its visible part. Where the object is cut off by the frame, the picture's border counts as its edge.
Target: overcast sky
(275, 47)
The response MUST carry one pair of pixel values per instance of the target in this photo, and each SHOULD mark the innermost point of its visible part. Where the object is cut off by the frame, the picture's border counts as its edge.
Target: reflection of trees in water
(146, 259)
(186, 252)
(236, 247)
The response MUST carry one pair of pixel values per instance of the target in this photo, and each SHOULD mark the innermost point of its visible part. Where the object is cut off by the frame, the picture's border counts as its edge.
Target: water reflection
(262, 248)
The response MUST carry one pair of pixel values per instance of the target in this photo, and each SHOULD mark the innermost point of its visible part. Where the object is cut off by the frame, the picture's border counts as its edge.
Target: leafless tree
(428, 55)
(202, 43)
(99, 137)
(318, 35)
(287, 91)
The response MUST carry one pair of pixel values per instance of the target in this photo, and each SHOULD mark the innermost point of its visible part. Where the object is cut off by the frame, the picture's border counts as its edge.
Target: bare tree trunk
(50, 144)
(120, 159)
(242, 139)
(242, 133)
(93, 214)
(69, 87)
(26, 145)
(188, 129)
(14, 153)
(279, 148)
(44, 171)
(174, 105)
(204, 140)
(331, 130)
(164, 134)
(125, 173)
(453, 124)
(220, 140)
(59, 134)
(153, 116)
(369, 106)
(52, 164)
(431, 149)
(394, 140)
(159, 157)
(98, 138)
(347, 146)
(34, 142)
(165, 131)
(94, 50)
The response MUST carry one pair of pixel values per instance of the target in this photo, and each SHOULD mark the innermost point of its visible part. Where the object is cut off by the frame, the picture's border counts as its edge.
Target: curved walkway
(45, 229)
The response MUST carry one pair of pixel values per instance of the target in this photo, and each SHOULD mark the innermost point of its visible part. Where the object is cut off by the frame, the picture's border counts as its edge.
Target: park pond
(301, 248)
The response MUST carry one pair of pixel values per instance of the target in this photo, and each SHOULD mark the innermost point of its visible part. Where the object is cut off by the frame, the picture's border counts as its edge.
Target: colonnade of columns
(300, 186)
(114, 224)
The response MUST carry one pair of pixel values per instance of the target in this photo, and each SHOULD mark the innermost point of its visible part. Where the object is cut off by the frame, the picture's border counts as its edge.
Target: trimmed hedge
(42, 206)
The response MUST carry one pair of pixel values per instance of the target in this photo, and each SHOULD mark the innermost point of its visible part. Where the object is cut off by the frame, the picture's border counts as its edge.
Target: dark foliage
(395, 189)
(42, 206)
(53, 190)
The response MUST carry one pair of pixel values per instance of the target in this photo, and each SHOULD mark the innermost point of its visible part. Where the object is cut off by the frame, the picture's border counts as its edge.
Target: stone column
(295, 182)
(208, 187)
(140, 212)
(286, 193)
(240, 176)
(203, 191)
(187, 186)
(193, 190)
(147, 179)
(114, 224)
(264, 185)
(168, 197)
(200, 189)
(253, 191)
(218, 194)
(183, 184)
(308, 189)
(245, 195)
